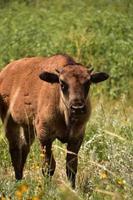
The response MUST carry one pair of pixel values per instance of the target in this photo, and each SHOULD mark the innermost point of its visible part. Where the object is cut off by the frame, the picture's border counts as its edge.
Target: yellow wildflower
(18, 194)
(35, 198)
(23, 188)
(121, 182)
(103, 175)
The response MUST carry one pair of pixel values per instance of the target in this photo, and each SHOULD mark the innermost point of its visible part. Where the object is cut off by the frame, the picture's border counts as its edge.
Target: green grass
(105, 161)
(96, 32)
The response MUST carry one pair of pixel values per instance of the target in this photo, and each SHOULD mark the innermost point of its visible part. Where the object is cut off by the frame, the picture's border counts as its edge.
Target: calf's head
(74, 81)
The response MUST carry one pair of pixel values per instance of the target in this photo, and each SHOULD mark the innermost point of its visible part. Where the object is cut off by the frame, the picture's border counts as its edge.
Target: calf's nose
(78, 108)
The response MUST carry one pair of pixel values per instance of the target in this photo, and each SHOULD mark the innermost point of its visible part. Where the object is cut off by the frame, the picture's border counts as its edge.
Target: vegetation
(105, 162)
(96, 32)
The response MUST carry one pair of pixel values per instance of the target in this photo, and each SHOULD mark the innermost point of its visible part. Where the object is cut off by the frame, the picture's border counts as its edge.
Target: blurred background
(99, 32)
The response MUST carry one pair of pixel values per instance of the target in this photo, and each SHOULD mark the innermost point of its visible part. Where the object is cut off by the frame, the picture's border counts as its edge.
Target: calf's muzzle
(78, 108)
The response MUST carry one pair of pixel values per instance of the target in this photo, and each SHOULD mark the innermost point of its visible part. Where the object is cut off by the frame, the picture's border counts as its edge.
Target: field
(96, 32)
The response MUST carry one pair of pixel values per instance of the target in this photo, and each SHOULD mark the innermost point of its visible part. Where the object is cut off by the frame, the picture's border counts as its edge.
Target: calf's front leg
(46, 146)
(72, 160)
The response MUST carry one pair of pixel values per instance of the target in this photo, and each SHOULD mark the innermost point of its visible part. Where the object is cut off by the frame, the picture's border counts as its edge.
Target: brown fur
(29, 105)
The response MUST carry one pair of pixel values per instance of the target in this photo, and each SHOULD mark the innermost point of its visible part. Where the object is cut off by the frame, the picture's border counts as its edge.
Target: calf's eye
(64, 86)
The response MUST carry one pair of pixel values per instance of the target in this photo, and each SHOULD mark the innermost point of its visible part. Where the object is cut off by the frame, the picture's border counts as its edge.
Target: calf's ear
(49, 77)
(99, 77)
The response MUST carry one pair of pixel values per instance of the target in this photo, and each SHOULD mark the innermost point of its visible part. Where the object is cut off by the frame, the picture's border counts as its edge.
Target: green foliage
(96, 32)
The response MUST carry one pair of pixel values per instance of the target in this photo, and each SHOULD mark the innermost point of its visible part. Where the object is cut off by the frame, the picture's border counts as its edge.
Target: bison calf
(49, 97)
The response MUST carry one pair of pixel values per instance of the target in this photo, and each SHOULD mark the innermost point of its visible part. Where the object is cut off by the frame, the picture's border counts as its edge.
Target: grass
(105, 161)
(96, 32)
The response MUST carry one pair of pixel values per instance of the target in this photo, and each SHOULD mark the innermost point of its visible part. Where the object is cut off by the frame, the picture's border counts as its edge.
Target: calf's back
(23, 94)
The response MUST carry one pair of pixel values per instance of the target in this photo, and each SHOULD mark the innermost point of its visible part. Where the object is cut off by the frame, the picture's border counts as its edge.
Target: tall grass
(105, 161)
